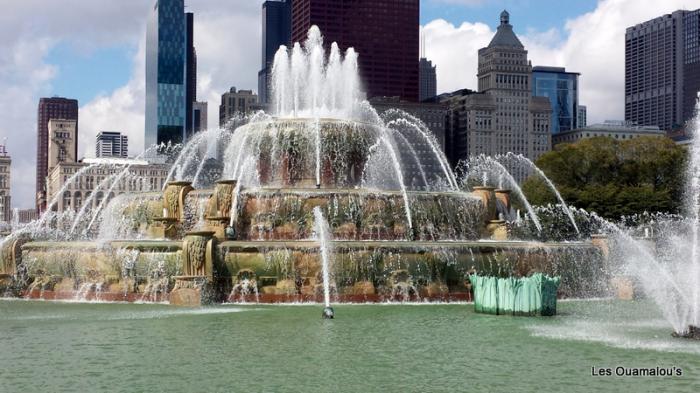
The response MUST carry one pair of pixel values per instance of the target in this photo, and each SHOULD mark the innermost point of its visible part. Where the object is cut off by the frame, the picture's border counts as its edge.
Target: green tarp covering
(534, 295)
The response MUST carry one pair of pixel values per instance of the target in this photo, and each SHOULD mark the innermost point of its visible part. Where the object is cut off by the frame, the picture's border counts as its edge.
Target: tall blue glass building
(561, 88)
(166, 59)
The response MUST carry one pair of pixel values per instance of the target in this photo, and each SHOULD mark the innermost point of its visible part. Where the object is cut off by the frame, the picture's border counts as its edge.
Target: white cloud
(122, 110)
(595, 47)
(228, 50)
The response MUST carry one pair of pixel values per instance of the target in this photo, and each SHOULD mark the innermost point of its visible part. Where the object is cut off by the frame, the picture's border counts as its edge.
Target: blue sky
(540, 15)
(86, 74)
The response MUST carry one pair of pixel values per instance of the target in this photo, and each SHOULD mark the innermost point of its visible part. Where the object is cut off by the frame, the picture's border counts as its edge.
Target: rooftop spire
(504, 34)
(505, 17)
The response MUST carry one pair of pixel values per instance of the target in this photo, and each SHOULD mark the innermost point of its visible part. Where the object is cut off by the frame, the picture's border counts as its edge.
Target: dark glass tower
(166, 58)
(662, 70)
(276, 31)
(428, 80)
(561, 88)
(385, 33)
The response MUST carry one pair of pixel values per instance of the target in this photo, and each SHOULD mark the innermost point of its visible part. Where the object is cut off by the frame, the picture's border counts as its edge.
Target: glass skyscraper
(561, 88)
(166, 58)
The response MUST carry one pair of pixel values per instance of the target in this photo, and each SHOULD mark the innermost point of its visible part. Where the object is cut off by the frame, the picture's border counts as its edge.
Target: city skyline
(46, 66)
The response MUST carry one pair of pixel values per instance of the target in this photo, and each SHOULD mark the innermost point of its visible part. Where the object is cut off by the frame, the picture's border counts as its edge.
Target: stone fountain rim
(307, 120)
(200, 233)
(179, 183)
(487, 188)
(226, 181)
(324, 191)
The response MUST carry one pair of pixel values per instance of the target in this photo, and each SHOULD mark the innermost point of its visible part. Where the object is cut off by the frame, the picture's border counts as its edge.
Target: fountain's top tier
(308, 82)
(305, 153)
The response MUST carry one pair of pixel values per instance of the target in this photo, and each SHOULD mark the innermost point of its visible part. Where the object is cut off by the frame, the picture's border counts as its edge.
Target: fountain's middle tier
(360, 215)
(287, 214)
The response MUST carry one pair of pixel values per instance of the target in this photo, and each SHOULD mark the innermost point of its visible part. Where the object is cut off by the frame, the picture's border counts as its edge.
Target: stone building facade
(236, 102)
(5, 174)
(141, 176)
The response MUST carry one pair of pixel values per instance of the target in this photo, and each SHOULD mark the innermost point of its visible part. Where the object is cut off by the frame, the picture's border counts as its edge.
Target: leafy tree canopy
(612, 177)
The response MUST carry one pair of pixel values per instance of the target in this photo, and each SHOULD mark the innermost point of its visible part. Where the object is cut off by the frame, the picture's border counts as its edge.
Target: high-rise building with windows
(662, 70)
(276, 31)
(5, 194)
(427, 86)
(503, 116)
(63, 141)
(385, 34)
(50, 108)
(236, 102)
(581, 118)
(111, 144)
(166, 64)
(561, 87)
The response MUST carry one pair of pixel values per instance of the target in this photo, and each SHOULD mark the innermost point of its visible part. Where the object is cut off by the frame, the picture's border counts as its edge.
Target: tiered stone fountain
(401, 227)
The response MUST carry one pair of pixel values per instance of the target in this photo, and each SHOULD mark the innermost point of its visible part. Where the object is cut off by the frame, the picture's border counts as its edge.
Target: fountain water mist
(482, 165)
(522, 159)
(322, 230)
(306, 85)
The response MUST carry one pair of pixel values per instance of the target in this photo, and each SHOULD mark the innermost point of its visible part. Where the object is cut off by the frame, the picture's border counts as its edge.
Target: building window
(66, 200)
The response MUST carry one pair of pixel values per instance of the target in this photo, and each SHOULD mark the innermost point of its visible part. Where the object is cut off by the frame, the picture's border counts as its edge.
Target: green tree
(613, 177)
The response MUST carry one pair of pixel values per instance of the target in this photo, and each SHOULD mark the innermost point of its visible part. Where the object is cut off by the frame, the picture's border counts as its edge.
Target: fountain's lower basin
(280, 272)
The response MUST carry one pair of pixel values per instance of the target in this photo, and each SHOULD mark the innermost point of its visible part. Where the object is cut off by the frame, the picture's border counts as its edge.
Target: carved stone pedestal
(192, 291)
(218, 210)
(194, 287)
(165, 228)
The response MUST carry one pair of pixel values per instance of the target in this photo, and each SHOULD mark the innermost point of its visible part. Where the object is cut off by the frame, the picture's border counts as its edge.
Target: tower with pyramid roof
(521, 122)
(502, 116)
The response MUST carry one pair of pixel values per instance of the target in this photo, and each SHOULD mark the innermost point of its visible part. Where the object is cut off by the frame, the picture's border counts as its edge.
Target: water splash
(322, 231)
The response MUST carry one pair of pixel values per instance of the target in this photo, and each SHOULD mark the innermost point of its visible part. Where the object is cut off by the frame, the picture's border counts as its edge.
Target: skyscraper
(191, 77)
(503, 116)
(428, 80)
(111, 144)
(50, 108)
(166, 61)
(561, 88)
(662, 69)
(5, 194)
(385, 34)
(276, 31)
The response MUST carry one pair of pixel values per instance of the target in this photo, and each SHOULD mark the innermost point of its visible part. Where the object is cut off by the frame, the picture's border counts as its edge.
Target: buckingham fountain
(326, 200)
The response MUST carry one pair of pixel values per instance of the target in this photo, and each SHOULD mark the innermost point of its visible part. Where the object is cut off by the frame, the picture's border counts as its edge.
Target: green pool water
(69, 347)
